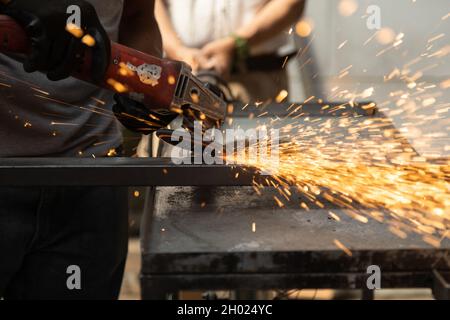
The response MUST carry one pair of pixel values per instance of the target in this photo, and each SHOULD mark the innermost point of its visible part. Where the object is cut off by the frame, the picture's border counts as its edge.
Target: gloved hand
(138, 118)
(54, 50)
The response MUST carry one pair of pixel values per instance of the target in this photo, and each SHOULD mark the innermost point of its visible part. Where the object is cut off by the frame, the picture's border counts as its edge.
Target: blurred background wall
(404, 66)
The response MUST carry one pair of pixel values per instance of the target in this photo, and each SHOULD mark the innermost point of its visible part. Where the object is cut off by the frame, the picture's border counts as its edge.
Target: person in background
(244, 41)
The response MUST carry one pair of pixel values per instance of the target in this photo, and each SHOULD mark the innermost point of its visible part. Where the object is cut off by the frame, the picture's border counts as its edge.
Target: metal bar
(271, 281)
(291, 262)
(441, 286)
(292, 110)
(33, 172)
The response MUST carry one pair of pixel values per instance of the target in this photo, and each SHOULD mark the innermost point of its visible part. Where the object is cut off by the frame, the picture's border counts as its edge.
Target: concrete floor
(130, 286)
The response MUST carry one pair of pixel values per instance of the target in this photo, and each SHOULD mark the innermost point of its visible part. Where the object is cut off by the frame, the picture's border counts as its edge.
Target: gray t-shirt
(69, 118)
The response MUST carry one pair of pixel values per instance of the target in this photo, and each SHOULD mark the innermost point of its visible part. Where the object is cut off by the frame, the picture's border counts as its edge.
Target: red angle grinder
(160, 84)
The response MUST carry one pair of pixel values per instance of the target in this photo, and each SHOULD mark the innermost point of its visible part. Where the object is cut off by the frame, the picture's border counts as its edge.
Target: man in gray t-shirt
(64, 243)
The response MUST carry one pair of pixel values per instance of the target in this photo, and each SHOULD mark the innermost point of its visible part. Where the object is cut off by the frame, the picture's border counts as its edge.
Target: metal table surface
(195, 219)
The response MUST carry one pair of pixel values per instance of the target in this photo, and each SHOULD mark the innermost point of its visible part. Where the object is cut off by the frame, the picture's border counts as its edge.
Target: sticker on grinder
(147, 73)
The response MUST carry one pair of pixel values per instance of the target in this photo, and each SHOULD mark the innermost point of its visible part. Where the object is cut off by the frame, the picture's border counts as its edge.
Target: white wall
(419, 20)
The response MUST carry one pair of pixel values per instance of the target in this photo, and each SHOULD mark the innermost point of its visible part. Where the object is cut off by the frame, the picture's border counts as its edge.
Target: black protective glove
(54, 50)
(138, 118)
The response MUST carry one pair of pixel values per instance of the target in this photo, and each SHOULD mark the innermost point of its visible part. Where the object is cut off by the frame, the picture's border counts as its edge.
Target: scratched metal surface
(221, 219)
(209, 231)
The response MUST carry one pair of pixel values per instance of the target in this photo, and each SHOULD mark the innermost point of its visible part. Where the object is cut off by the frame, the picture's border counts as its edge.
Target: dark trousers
(45, 232)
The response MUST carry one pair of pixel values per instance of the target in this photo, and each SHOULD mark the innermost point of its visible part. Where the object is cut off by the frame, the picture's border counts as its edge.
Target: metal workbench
(203, 239)
(227, 237)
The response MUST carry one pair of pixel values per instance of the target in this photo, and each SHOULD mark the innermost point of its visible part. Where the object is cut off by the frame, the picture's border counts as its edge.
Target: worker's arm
(139, 29)
(275, 17)
(173, 46)
(272, 19)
